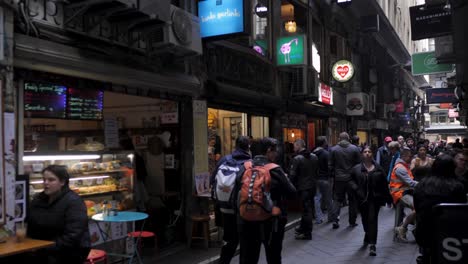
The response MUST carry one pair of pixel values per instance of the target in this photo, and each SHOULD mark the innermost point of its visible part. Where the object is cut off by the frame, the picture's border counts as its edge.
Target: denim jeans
(323, 192)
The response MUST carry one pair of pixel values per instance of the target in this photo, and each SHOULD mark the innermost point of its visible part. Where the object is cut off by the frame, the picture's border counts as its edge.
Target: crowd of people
(400, 174)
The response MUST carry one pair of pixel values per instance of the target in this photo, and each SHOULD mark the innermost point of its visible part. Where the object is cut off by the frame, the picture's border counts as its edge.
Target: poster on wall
(202, 184)
(9, 147)
(221, 17)
(290, 50)
(20, 201)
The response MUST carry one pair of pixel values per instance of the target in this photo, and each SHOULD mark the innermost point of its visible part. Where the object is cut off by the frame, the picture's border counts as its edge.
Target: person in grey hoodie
(343, 157)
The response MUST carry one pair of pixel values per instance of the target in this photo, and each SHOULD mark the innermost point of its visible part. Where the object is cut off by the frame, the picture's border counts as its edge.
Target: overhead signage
(85, 104)
(220, 17)
(45, 100)
(430, 21)
(343, 2)
(440, 95)
(325, 94)
(426, 63)
(405, 117)
(261, 10)
(261, 47)
(290, 50)
(343, 70)
(399, 107)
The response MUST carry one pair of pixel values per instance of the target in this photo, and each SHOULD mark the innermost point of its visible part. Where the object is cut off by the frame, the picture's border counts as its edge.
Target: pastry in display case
(97, 177)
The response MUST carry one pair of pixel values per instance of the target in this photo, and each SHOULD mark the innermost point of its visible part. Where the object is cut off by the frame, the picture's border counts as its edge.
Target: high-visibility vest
(397, 186)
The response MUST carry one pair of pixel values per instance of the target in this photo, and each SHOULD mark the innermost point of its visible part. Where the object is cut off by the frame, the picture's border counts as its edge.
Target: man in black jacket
(323, 181)
(343, 157)
(303, 175)
(270, 232)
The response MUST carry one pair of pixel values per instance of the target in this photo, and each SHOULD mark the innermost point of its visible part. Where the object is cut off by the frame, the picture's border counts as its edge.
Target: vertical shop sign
(325, 94)
(200, 144)
(355, 104)
(290, 50)
(343, 70)
(426, 63)
(111, 132)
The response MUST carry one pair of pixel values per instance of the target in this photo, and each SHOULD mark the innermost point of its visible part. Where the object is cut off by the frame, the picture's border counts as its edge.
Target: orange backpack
(255, 202)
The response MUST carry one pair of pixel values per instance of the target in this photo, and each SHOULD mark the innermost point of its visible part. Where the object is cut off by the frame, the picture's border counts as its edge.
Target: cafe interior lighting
(290, 26)
(61, 157)
(77, 179)
(292, 134)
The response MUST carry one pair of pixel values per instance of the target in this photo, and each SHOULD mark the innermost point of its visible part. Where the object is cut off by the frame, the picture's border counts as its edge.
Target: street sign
(426, 63)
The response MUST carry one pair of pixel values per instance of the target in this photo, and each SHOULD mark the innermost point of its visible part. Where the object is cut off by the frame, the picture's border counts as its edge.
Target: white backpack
(225, 184)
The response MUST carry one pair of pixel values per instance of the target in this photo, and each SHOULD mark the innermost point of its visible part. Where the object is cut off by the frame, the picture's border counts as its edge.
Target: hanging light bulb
(292, 134)
(290, 26)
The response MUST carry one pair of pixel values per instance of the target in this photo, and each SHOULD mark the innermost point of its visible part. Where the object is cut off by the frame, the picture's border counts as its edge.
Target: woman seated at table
(59, 214)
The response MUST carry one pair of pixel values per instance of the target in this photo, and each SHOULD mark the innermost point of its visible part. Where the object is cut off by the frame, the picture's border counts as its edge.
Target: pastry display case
(99, 177)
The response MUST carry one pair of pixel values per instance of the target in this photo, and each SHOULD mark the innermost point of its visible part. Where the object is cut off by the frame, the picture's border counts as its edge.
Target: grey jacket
(343, 157)
(402, 173)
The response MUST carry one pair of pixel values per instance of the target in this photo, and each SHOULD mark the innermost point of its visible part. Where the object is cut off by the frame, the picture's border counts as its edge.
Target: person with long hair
(441, 186)
(59, 214)
(369, 183)
(421, 164)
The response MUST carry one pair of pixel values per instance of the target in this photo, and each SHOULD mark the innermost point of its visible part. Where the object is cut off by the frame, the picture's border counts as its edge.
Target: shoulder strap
(248, 165)
(271, 166)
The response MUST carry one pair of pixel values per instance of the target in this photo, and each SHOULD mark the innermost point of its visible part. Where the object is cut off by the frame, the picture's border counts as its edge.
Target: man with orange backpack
(263, 186)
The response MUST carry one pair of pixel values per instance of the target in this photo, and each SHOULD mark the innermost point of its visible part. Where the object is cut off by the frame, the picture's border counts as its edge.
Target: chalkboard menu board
(85, 104)
(45, 100)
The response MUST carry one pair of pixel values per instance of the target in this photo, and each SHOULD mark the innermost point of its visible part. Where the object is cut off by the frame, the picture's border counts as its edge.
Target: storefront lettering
(29, 107)
(45, 11)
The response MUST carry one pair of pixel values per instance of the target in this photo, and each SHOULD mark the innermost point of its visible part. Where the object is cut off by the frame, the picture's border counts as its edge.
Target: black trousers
(307, 198)
(370, 220)
(270, 233)
(340, 190)
(231, 237)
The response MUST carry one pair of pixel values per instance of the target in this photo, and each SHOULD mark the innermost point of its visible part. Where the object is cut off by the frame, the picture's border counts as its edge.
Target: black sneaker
(372, 251)
(298, 230)
(303, 236)
(353, 224)
(336, 225)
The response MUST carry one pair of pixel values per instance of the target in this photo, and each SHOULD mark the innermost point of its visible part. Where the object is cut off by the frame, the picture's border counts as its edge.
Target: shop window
(294, 19)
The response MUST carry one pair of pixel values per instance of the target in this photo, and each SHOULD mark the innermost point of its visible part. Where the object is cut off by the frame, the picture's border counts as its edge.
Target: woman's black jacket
(370, 186)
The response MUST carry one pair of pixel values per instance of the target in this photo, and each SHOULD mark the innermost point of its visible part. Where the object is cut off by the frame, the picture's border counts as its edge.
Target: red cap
(388, 139)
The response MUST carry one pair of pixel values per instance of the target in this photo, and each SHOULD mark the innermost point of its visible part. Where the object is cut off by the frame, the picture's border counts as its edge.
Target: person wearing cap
(384, 157)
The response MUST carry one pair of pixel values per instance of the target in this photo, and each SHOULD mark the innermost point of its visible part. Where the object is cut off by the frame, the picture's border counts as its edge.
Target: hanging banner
(426, 63)
(325, 94)
(343, 71)
(430, 21)
(440, 95)
(200, 145)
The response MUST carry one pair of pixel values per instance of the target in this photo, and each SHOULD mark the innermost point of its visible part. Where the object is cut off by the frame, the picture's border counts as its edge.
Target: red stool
(96, 255)
(142, 235)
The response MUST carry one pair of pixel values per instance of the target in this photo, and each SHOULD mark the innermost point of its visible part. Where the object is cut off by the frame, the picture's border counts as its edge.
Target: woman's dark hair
(60, 171)
(422, 146)
(267, 143)
(367, 147)
(443, 166)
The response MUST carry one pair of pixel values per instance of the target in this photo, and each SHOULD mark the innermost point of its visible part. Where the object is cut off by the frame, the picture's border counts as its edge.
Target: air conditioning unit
(180, 36)
(302, 82)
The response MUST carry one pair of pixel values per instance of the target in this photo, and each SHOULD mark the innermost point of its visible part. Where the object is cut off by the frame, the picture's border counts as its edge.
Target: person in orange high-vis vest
(401, 185)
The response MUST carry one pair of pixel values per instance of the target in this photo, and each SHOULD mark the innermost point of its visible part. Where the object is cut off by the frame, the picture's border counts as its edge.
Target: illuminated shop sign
(325, 94)
(221, 17)
(261, 10)
(343, 71)
(290, 50)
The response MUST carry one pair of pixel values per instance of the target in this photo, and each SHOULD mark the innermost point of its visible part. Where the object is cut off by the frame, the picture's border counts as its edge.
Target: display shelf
(101, 193)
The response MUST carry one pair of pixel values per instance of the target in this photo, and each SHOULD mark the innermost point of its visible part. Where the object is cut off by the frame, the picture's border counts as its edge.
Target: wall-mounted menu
(85, 104)
(45, 100)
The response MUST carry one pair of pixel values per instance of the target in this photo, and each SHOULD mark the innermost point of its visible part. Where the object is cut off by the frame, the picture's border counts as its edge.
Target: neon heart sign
(343, 71)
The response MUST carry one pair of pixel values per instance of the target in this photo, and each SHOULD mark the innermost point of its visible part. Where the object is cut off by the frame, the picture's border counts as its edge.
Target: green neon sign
(290, 50)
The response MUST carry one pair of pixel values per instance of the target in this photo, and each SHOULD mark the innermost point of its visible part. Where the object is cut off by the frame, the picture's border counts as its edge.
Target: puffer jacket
(370, 186)
(343, 157)
(304, 170)
(64, 221)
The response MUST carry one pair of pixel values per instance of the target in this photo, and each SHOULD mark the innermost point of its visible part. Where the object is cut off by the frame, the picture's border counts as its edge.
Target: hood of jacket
(239, 154)
(399, 160)
(344, 143)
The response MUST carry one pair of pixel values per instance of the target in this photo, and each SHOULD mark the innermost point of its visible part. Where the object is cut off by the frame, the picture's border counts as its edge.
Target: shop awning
(41, 55)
